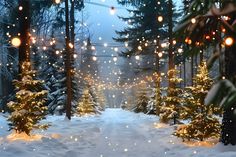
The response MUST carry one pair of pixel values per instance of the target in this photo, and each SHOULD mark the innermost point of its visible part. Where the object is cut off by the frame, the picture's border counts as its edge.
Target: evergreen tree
(87, 105)
(144, 28)
(202, 32)
(29, 107)
(100, 98)
(202, 124)
(154, 104)
(172, 102)
(141, 100)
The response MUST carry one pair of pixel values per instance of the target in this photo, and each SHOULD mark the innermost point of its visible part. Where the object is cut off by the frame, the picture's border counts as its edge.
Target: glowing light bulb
(16, 42)
(57, 1)
(137, 57)
(229, 41)
(140, 48)
(20, 8)
(160, 18)
(160, 54)
(193, 20)
(71, 45)
(94, 58)
(112, 10)
(57, 52)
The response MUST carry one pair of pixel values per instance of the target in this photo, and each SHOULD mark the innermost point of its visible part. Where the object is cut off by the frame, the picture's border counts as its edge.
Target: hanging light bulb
(229, 41)
(16, 42)
(160, 18)
(57, 1)
(112, 10)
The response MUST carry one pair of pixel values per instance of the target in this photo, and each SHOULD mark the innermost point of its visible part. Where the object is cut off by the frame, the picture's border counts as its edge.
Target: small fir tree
(172, 102)
(202, 124)
(87, 105)
(154, 104)
(101, 97)
(29, 107)
(142, 100)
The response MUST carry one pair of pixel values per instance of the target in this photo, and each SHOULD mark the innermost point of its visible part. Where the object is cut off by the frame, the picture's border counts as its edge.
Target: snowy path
(116, 133)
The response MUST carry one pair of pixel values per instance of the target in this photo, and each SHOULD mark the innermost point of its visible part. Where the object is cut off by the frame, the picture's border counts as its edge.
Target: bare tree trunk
(24, 25)
(68, 64)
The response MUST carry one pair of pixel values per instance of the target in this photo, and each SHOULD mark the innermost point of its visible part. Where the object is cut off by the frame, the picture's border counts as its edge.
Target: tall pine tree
(144, 28)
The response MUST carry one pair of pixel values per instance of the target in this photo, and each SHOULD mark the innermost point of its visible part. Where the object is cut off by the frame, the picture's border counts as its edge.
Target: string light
(160, 18)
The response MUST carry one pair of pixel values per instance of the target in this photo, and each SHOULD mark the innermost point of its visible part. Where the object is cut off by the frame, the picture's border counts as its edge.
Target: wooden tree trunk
(24, 26)
(68, 64)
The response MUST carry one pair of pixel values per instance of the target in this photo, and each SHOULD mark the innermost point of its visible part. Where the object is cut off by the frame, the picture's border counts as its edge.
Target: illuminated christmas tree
(29, 107)
(202, 124)
(86, 105)
(172, 102)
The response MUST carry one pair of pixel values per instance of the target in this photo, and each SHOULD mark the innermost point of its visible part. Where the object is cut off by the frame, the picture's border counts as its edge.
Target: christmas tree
(202, 124)
(86, 105)
(172, 102)
(29, 107)
(142, 100)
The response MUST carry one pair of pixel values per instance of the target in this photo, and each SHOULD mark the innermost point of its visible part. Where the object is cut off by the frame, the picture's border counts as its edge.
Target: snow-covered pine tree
(202, 124)
(154, 104)
(29, 107)
(86, 105)
(172, 102)
(141, 99)
(101, 100)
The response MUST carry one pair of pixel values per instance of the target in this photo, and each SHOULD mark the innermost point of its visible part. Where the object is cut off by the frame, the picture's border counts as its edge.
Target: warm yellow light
(57, 52)
(71, 45)
(160, 18)
(229, 41)
(160, 54)
(140, 48)
(16, 42)
(57, 1)
(193, 20)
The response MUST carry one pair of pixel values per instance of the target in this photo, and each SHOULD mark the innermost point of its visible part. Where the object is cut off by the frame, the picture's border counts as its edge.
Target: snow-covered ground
(115, 133)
